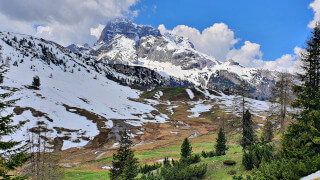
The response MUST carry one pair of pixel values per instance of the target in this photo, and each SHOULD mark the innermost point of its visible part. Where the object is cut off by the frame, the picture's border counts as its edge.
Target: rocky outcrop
(179, 53)
(127, 28)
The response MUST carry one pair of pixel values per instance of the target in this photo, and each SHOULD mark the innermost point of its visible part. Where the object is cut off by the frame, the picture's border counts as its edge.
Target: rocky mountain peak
(127, 28)
(232, 62)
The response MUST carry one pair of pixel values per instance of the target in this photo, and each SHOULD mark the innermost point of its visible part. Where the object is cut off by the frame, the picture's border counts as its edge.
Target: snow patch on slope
(190, 93)
(198, 109)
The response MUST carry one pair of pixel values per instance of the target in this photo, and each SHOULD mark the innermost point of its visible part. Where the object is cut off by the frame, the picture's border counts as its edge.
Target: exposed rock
(127, 28)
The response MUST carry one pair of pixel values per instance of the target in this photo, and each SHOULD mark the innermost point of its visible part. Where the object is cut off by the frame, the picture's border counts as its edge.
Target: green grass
(171, 93)
(216, 168)
(78, 175)
(103, 160)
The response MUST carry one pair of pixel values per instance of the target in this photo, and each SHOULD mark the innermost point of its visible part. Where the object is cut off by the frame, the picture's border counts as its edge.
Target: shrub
(292, 169)
(209, 154)
(254, 155)
(191, 160)
(36, 82)
(184, 172)
(166, 162)
(150, 176)
(229, 162)
(147, 168)
(204, 154)
(232, 172)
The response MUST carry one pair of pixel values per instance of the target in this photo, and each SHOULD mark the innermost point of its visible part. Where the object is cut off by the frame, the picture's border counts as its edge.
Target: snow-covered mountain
(174, 57)
(88, 95)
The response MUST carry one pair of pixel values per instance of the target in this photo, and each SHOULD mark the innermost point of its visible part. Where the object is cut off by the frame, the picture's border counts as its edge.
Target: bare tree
(1, 58)
(7, 63)
(240, 104)
(44, 164)
(281, 97)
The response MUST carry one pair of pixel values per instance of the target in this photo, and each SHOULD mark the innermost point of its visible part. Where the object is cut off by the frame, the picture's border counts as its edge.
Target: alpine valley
(156, 86)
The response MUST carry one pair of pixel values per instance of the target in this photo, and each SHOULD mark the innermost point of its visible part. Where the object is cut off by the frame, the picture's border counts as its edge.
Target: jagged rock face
(141, 78)
(119, 50)
(127, 28)
(178, 52)
(123, 42)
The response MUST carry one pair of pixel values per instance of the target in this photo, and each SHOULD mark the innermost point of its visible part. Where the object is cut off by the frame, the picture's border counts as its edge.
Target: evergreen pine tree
(124, 164)
(308, 93)
(36, 82)
(255, 154)
(186, 149)
(221, 143)
(267, 132)
(302, 139)
(13, 154)
(247, 130)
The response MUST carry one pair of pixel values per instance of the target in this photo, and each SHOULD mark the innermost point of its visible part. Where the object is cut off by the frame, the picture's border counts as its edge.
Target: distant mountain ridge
(173, 56)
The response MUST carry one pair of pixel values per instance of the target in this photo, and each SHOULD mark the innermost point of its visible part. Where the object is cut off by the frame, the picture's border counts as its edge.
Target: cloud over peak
(215, 40)
(219, 42)
(63, 21)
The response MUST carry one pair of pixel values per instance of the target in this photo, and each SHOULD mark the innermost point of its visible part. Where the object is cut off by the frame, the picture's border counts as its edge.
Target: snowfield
(73, 88)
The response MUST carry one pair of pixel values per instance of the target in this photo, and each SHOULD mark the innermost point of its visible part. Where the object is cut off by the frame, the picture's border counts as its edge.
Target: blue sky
(278, 26)
(256, 33)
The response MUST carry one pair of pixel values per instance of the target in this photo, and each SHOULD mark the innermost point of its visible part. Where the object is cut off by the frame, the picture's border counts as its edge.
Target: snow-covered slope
(74, 99)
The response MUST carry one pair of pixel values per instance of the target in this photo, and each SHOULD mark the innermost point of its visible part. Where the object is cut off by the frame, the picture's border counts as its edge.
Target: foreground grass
(216, 168)
(74, 174)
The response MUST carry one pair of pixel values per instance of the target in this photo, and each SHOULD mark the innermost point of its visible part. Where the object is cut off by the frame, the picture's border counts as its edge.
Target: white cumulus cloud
(219, 42)
(248, 55)
(315, 5)
(216, 40)
(64, 21)
(44, 29)
(286, 63)
(97, 31)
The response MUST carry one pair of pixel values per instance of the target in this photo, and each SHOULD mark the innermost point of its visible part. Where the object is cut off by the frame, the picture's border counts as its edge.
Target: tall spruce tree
(247, 130)
(221, 143)
(302, 140)
(124, 164)
(13, 154)
(186, 149)
(308, 93)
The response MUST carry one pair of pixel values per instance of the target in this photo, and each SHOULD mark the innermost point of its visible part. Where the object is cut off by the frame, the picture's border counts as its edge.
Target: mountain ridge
(173, 56)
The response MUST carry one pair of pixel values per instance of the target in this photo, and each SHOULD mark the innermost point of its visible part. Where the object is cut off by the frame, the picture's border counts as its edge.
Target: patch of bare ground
(19, 110)
(8, 88)
(106, 135)
(102, 137)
